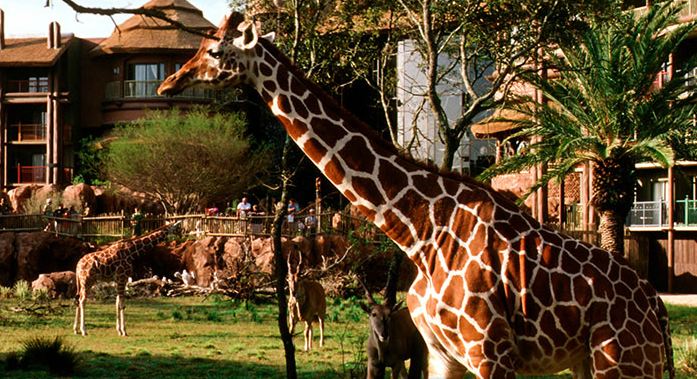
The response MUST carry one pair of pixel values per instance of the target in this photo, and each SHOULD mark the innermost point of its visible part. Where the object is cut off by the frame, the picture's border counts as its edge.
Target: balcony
(690, 9)
(37, 174)
(654, 214)
(31, 174)
(147, 89)
(34, 85)
(22, 132)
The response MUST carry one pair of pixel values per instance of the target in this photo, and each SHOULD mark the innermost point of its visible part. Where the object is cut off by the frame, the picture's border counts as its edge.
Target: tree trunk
(452, 143)
(281, 269)
(613, 189)
(611, 231)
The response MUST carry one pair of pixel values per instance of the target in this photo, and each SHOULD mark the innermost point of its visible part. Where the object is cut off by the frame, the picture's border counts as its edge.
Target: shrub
(687, 357)
(22, 290)
(50, 354)
(5, 292)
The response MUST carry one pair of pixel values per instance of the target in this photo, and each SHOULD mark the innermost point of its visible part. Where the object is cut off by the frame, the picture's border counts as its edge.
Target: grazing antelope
(393, 339)
(306, 302)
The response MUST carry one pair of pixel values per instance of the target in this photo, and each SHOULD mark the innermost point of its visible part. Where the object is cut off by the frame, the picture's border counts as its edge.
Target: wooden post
(670, 199)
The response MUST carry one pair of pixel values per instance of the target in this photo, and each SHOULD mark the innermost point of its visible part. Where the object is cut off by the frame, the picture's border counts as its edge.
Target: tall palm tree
(605, 109)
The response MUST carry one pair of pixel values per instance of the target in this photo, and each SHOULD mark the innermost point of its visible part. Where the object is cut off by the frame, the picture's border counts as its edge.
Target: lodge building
(58, 89)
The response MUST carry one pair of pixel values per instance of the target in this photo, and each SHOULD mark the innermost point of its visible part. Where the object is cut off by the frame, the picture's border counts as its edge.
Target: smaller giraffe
(113, 263)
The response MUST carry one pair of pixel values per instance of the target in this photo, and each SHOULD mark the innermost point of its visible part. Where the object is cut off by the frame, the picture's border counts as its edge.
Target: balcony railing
(27, 132)
(146, 89)
(690, 8)
(655, 214)
(37, 174)
(31, 174)
(28, 86)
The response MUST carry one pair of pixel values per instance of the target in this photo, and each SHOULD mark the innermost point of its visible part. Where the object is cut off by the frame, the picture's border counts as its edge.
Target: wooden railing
(28, 132)
(199, 225)
(37, 174)
(31, 174)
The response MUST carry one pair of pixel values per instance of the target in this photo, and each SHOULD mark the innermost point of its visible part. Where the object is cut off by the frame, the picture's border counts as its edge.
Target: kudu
(306, 302)
(393, 339)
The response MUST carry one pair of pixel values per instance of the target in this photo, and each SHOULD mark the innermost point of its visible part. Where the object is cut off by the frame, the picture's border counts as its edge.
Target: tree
(606, 111)
(479, 47)
(186, 160)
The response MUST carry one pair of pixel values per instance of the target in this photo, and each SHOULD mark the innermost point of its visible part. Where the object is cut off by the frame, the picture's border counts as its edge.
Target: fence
(119, 225)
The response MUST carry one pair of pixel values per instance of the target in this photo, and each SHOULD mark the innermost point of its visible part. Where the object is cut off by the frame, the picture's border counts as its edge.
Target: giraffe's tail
(664, 322)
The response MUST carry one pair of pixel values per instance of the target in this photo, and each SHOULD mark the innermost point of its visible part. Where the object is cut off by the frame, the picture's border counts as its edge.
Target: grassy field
(217, 338)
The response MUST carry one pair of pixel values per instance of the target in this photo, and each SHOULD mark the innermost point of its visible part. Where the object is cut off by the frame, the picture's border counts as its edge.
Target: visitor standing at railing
(48, 211)
(243, 207)
(136, 222)
(292, 211)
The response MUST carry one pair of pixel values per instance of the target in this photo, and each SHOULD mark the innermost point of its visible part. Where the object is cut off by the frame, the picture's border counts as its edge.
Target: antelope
(393, 339)
(306, 302)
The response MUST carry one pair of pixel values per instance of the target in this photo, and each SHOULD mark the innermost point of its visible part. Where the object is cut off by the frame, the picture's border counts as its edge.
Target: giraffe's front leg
(120, 319)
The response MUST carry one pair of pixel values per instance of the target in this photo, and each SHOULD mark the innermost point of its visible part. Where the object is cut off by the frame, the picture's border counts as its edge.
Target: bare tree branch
(154, 13)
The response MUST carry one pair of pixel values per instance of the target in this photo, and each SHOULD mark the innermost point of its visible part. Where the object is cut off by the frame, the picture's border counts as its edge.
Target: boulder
(200, 259)
(79, 196)
(20, 195)
(56, 284)
(39, 252)
(8, 261)
(162, 260)
(231, 263)
(117, 199)
(262, 253)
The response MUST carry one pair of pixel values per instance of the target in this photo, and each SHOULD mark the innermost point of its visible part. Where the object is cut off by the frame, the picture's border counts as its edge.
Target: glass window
(143, 78)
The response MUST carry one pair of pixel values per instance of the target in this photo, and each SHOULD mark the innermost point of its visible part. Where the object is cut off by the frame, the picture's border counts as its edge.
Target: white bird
(185, 277)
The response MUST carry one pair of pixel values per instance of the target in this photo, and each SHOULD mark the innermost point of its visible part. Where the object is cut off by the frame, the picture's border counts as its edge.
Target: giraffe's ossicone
(496, 292)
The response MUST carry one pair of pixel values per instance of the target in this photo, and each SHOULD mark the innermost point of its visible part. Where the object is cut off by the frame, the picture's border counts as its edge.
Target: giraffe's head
(220, 61)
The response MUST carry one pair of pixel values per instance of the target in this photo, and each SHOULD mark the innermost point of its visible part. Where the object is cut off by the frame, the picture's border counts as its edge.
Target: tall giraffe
(496, 292)
(113, 263)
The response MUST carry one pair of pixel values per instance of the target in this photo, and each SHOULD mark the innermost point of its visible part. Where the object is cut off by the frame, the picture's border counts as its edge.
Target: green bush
(6, 292)
(22, 290)
(50, 354)
(687, 358)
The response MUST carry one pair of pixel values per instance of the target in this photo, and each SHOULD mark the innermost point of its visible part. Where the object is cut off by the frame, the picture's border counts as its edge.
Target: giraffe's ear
(249, 37)
(269, 36)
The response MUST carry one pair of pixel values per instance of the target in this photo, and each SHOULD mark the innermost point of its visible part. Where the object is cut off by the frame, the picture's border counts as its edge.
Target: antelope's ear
(249, 37)
(269, 36)
(396, 307)
(365, 307)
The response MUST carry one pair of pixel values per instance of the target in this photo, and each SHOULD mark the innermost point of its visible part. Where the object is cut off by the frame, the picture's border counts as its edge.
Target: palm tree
(605, 109)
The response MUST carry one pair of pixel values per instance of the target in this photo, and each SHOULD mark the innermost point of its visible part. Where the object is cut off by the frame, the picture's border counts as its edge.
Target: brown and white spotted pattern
(497, 293)
(113, 263)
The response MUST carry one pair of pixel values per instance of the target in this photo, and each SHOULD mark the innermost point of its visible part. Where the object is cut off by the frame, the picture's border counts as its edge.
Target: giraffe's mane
(374, 136)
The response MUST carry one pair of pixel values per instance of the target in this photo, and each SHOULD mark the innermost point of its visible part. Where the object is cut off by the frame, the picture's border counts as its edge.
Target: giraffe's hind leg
(79, 323)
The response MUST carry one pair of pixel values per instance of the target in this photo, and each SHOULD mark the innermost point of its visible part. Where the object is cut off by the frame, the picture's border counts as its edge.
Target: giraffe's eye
(215, 53)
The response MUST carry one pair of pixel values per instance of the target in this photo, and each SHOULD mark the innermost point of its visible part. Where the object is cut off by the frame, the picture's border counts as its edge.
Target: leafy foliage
(51, 354)
(605, 108)
(186, 161)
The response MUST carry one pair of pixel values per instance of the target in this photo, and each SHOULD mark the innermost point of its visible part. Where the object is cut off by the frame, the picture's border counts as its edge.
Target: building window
(143, 79)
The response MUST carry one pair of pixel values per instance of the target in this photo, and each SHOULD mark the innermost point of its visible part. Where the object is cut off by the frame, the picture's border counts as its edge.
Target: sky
(29, 18)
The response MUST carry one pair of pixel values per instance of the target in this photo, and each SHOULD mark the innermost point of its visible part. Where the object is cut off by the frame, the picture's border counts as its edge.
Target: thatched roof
(498, 124)
(147, 34)
(27, 52)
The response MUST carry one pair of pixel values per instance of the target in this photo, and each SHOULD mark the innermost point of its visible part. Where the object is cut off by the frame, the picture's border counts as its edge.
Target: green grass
(216, 338)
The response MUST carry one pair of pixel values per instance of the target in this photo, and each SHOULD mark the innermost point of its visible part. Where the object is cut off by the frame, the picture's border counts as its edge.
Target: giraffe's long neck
(393, 192)
(148, 241)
